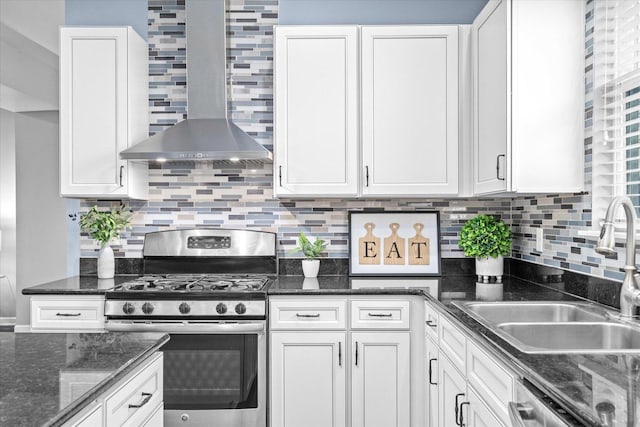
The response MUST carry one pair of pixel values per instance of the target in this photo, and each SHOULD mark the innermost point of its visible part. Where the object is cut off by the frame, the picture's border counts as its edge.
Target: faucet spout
(630, 291)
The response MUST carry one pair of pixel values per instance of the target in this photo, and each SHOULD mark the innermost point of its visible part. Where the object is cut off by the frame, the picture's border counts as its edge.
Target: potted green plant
(104, 227)
(311, 251)
(488, 239)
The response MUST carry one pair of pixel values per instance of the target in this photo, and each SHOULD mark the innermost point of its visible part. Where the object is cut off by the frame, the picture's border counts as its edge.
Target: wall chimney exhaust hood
(207, 134)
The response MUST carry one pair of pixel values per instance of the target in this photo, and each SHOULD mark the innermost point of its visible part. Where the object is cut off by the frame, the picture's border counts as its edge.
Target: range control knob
(184, 308)
(128, 308)
(147, 308)
(241, 308)
(221, 308)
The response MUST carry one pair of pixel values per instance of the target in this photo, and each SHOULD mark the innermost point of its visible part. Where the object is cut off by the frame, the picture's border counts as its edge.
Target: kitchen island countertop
(37, 371)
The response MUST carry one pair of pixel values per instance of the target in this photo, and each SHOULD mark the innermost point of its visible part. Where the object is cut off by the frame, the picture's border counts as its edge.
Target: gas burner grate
(195, 283)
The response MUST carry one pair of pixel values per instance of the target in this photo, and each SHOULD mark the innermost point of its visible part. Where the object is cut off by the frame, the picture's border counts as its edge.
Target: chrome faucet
(630, 291)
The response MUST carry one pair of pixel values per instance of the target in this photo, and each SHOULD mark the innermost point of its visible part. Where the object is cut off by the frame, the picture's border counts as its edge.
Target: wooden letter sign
(418, 247)
(369, 247)
(394, 247)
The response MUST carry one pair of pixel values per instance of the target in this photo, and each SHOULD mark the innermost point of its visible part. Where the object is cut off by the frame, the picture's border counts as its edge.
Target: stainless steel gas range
(207, 288)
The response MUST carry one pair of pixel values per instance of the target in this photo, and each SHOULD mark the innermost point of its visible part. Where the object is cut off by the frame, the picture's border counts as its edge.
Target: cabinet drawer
(75, 313)
(431, 320)
(377, 314)
(452, 342)
(92, 417)
(493, 382)
(321, 314)
(136, 400)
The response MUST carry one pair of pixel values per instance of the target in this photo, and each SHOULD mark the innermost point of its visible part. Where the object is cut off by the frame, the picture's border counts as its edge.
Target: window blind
(616, 101)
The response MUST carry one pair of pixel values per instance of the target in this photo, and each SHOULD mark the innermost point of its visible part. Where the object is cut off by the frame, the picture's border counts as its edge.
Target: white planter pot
(490, 267)
(489, 291)
(106, 263)
(310, 267)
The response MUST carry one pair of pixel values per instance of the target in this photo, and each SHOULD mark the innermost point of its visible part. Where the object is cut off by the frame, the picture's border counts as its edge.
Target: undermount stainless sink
(551, 327)
(495, 313)
(604, 337)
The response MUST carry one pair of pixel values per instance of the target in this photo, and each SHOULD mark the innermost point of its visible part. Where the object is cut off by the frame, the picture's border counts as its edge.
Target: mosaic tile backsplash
(201, 194)
(167, 42)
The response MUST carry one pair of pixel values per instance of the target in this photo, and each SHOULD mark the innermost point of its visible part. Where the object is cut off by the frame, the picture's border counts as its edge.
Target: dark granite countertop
(37, 372)
(78, 285)
(576, 382)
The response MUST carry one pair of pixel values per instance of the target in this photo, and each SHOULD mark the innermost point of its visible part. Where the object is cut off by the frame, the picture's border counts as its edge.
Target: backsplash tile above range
(200, 194)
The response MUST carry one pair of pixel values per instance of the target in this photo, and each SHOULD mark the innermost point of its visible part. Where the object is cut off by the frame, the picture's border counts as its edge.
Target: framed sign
(394, 243)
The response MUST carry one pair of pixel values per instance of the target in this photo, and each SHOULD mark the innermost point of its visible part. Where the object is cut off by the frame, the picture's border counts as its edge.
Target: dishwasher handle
(518, 413)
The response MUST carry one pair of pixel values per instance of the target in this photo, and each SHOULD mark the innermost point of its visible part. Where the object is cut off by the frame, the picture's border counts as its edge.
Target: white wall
(41, 214)
(37, 20)
(7, 214)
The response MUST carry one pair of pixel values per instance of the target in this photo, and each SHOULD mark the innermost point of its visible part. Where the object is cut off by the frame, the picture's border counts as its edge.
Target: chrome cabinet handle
(366, 168)
(339, 353)
(121, 172)
(458, 396)
(308, 315)
(462, 414)
(498, 166)
(146, 396)
(431, 323)
(518, 413)
(280, 174)
(356, 353)
(68, 314)
(380, 314)
(431, 372)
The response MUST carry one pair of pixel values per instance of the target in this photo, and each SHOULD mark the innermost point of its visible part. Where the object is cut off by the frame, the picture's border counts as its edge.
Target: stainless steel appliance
(207, 289)
(532, 409)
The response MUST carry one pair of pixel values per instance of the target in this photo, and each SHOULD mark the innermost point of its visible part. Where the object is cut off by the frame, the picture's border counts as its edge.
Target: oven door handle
(184, 327)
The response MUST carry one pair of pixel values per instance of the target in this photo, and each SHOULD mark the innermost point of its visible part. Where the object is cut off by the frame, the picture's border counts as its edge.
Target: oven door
(215, 380)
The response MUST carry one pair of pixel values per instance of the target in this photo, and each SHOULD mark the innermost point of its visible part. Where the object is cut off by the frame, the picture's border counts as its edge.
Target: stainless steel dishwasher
(530, 410)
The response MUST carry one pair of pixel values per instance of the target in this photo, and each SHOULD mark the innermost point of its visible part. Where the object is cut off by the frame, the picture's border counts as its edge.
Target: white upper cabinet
(398, 85)
(103, 110)
(528, 83)
(316, 110)
(409, 110)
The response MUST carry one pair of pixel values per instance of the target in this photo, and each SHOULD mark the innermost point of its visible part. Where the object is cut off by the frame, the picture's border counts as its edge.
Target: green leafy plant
(485, 236)
(311, 250)
(105, 226)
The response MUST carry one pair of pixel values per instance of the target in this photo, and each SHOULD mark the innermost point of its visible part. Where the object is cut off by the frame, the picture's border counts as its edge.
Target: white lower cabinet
(157, 418)
(380, 380)
(136, 400)
(90, 417)
(452, 388)
(433, 380)
(477, 413)
(308, 379)
(465, 385)
(65, 313)
(342, 375)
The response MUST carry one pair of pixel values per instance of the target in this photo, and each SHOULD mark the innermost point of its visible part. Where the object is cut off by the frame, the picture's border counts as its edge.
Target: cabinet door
(410, 110)
(432, 383)
(316, 110)
(90, 418)
(308, 381)
(477, 413)
(93, 110)
(491, 50)
(452, 389)
(157, 418)
(380, 379)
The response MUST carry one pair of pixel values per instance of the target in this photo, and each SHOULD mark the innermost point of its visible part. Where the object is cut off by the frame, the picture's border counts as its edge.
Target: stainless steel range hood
(207, 134)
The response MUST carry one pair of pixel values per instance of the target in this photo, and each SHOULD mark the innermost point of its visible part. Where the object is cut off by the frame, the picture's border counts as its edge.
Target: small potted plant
(311, 251)
(104, 227)
(488, 239)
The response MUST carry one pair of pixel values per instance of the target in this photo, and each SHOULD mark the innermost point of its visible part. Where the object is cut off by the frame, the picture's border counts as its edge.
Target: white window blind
(616, 102)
